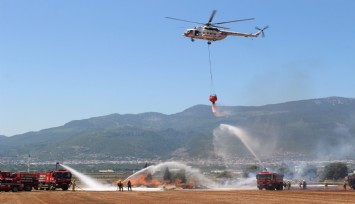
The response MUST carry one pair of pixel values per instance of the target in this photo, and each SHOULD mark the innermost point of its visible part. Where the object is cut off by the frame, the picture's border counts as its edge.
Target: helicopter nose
(185, 34)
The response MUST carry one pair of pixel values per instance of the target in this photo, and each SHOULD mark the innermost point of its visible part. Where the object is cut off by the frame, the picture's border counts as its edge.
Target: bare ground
(181, 196)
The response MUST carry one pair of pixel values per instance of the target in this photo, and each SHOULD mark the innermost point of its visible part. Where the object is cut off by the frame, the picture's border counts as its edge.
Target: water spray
(242, 136)
(193, 176)
(90, 183)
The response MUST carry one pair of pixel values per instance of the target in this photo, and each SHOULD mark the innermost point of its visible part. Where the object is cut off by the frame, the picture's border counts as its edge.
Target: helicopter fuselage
(205, 33)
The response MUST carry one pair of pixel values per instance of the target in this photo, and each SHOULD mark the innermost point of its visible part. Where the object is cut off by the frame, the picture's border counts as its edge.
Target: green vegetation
(335, 171)
(251, 169)
(224, 174)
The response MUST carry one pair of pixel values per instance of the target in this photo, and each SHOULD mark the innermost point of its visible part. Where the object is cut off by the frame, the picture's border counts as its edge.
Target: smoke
(304, 171)
(240, 184)
(295, 80)
(341, 147)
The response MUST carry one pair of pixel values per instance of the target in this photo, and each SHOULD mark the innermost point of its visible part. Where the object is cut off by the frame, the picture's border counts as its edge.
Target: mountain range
(313, 129)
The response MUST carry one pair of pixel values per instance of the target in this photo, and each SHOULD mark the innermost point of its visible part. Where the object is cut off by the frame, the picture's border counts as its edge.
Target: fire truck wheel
(28, 188)
(14, 189)
(64, 188)
(52, 187)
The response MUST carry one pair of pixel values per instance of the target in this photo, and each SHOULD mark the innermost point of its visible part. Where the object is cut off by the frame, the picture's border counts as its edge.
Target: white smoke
(342, 145)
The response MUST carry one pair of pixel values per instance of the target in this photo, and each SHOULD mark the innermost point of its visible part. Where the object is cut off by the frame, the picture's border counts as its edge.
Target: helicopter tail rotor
(262, 30)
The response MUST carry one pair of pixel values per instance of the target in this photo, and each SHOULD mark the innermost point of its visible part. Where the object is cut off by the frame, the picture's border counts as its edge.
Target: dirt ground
(181, 196)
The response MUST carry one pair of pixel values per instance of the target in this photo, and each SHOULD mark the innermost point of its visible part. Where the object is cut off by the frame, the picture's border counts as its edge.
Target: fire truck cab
(269, 181)
(55, 179)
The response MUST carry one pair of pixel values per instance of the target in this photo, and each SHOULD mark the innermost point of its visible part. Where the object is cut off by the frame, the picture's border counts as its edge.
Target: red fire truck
(55, 179)
(28, 179)
(269, 180)
(7, 184)
(5, 174)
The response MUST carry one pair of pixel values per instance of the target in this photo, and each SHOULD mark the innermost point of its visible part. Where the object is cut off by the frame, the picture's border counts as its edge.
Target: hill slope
(318, 128)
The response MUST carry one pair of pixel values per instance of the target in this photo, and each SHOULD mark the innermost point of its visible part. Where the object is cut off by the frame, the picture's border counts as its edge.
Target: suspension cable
(209, 60)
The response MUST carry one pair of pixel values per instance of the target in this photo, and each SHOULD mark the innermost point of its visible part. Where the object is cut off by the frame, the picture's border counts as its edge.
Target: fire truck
(55, 179)
(350, 179)
(5, 174)
(28, 179)
(7, 183)
(269, 180)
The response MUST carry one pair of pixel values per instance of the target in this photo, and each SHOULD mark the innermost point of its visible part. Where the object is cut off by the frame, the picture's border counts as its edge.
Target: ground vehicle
(55, 179)
(269, 180)
(7, 184)
(5, 174)
(351, 180)
(28, 179)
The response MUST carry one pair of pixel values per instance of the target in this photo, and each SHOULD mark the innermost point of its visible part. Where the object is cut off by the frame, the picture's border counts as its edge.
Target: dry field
(181, 196)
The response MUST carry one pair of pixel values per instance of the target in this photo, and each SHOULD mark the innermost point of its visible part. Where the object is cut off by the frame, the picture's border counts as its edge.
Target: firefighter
(129, 185)
(288, 185)
(326, 183)
(345, 185)
(120, 186)
(304, 185)
(73, 184)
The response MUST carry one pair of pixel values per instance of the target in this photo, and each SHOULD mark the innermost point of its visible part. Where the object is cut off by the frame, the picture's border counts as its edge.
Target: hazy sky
(75, 59)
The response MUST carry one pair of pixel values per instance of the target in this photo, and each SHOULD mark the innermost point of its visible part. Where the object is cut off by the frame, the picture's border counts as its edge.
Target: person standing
(129, 185)
(73, 184)
(288, 185)
(326, 183)
(304, 184)
(120, 186)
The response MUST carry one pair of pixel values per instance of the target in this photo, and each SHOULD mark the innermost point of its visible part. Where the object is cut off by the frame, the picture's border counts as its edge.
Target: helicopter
(210, 31)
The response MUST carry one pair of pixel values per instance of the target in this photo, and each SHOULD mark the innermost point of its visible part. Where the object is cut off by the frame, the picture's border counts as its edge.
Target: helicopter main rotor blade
(212, 16)
(183, 20)
(247, 19)
(218, 26)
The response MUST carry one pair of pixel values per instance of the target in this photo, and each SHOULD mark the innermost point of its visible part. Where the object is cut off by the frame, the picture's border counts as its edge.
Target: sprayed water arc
(89, 183)
(241, 135)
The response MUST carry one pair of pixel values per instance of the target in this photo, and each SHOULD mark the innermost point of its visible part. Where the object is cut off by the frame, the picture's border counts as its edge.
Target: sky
(76, 59)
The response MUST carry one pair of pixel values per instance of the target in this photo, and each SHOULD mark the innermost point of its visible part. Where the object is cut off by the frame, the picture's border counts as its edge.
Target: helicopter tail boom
(254, 35)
